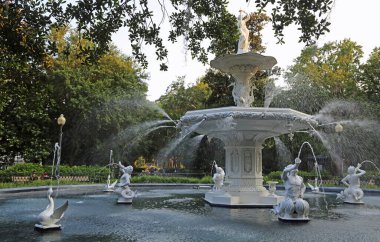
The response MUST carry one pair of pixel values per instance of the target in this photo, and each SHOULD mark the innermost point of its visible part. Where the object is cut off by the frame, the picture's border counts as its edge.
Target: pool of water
(179, 214)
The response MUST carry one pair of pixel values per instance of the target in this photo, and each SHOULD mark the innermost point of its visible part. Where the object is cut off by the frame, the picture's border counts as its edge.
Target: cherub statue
(123, 186)
(352, 194)
(244, 32)
(218, 178)
(293, 207)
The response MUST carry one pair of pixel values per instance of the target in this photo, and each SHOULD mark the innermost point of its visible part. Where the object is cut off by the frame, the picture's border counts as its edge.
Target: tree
(321, 74)
(25, 25)
(97, 100)
(369, 77)
(24, 120)
(179, 99)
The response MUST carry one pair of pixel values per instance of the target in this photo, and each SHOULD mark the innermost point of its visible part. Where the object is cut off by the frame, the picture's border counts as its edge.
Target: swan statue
(50, 216)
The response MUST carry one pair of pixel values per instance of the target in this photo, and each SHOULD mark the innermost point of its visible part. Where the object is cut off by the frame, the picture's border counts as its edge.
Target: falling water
(316, 165)
(154, 106)
(368, 161)
(191, 146)
(270, 92)
(164, 153)
(283, 153)
(331, 147)
(145, 133)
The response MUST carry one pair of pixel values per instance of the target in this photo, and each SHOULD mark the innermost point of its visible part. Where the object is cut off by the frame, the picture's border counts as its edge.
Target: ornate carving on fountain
(243, 68)
(245, 185)
(247, 156)
(234, 161)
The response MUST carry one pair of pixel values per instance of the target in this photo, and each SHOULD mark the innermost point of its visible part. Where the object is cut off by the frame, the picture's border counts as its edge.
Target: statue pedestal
(123, 200)
(49, 227)
(108, 190)
(354, 202)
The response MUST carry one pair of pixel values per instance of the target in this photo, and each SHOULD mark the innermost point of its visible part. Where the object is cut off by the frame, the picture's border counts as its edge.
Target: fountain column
(244, 168)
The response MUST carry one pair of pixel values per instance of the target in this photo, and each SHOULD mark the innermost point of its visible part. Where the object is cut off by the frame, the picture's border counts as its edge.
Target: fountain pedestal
(244, 178)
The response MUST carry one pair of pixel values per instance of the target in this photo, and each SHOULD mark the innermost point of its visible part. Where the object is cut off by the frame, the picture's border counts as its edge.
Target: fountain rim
(247, 113)
(226, 62)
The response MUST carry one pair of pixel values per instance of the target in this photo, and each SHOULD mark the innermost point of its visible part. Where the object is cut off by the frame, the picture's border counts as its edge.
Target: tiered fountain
(243, 130)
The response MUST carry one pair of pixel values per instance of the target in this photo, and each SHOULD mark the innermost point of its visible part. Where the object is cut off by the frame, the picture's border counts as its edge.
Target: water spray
(368, 161)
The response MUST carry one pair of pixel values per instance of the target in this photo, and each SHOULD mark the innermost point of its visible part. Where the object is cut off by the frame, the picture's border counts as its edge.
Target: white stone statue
(352, 194)
(123, 186)
(50, 216)
(218, 178)
(244, 32)
(293, 207)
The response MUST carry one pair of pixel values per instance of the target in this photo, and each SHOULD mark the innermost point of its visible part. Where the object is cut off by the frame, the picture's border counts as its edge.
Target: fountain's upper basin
(243, 62)
(260, 122)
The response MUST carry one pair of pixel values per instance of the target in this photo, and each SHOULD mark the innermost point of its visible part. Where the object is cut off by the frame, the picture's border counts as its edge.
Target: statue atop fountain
(243, 65)
(353, 194)
(218, 178)
(244, 32)
(293, 207)
(123, 188)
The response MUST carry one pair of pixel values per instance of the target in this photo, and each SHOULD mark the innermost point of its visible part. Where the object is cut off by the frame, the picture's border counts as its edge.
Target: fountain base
(294, 220)
(354, 202)
(123, 200)
(108, 190)
(247, 199)
(45, 228)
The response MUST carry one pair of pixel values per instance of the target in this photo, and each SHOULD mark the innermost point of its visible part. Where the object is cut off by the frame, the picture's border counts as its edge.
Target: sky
(353, 19)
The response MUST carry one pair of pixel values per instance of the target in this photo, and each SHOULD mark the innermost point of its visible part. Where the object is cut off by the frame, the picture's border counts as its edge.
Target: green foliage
(26, 169)
(311, 16)
(221, 89)
(37, 183)
(276, 175)
(369, 77)
(25, 25)
(179, 99)
(320, 75)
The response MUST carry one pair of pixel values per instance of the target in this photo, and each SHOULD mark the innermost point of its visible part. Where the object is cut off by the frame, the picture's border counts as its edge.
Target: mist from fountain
(283, 153)
(358, 141)
(270, 92)
(166, 151)
(319, 175)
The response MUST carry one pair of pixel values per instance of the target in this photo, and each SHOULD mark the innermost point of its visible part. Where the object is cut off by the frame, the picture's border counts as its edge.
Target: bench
(20, 178)
(75, 178)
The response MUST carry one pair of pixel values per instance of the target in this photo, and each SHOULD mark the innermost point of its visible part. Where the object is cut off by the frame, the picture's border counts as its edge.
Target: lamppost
(60, 121)
(338, 130)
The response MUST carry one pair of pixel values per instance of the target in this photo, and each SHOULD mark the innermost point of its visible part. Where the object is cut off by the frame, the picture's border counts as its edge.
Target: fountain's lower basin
(243, 131)
(182, 215)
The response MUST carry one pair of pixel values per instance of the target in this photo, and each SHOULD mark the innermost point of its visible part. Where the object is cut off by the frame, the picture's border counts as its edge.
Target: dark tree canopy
(26, 25)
